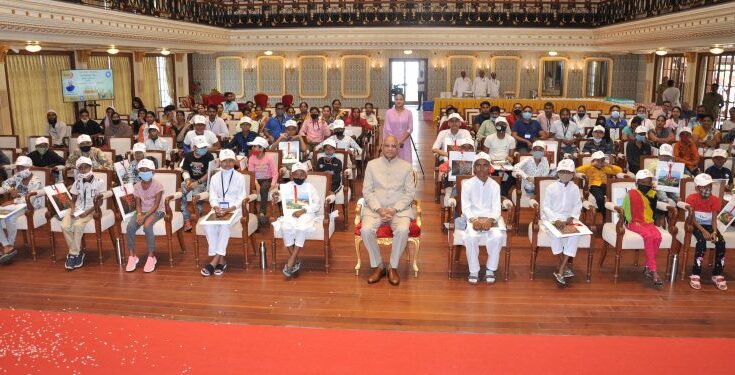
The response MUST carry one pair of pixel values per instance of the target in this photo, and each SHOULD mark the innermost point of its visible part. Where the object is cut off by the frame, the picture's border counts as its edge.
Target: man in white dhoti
(481, 208)
(226, 192)
(562, 205)
(298, 224)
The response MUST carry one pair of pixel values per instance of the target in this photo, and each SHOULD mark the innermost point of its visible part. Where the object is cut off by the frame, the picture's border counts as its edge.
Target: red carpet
(52, 343)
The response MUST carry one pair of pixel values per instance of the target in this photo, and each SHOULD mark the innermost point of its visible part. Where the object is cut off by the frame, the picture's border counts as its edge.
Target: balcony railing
(329, 13)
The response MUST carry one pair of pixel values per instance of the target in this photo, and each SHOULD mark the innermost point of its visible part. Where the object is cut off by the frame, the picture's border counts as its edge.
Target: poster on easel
(125, 200)
(290, 153)
(668, 176)
(460, 164)
(60, 199)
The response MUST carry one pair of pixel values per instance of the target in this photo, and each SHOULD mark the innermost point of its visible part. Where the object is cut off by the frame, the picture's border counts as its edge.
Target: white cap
(153, 126)
(466, 141)
(42, 140)
(702, 179)
(455, 116)
(198, 119)
(83, 160)
(686, 129)
(539, 144)
(139, 147)
(598, 128)
(666, 150)
(482, 156)
(501, 119)
(598, 155)
(566, 165)
(641, 129)
(245, 119)
(259, 141)
(337, 124)
(24, 161)
(329, 142)
(227, 154)
(146, 163)
(50, 111)
(200, 141)
(84, 138)
(291, 123)
(719, 153)
(643, 174)
(299, 167)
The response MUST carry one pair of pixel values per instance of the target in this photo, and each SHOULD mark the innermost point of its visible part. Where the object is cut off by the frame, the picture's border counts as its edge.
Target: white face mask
(24, 173)
(83, 176)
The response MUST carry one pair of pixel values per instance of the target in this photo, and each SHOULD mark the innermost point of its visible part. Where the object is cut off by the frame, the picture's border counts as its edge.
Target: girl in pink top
(399, 123)
(266, 173)
(148, 195)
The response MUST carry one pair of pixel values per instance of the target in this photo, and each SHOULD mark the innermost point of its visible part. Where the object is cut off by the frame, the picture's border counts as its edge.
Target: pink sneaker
(150, 264)
(132, 263)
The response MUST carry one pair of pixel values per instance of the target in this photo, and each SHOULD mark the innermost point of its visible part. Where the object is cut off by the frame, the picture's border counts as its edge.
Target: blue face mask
(537, 154)
(640, 138)
(642, 116)
(145, 176)
(527, 115)
(615, 114)
(201, 151)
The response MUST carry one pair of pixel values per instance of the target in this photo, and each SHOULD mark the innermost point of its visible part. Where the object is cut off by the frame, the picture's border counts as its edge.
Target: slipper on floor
(694, 282)
(720, 282)
(220, 269)
(207, 270)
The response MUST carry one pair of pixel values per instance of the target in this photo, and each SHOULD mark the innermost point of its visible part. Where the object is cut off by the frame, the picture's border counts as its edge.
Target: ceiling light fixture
(552, 53)
(407, 52)
(113, 50)
(716, 50)
(268, 52)
(165, 51)
(661, 51)
(33, 47)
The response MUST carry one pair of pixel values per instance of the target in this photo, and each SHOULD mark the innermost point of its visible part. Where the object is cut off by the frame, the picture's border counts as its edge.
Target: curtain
(121, 77)
(34, 84)
(150, 95)
(171, 79)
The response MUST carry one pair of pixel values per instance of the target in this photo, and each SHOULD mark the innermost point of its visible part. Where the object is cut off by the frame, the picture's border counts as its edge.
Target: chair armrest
(59, 168)
(330, 198)
(630, 174)
(252, 198)
(579, 175)
(620, 175)
(167, 204)
(587, 205)
(507, 204)
(683, 205)
(452, 202)
(610, 206)
(663, 206)
(30, 196)
(533, 204)
(592, 202)
(97, 213)
(200, 197)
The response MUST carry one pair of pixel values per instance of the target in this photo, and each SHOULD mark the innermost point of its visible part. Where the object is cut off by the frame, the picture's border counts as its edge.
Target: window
(164, 86)
(672, 66)
(718, 69)
(158, 81)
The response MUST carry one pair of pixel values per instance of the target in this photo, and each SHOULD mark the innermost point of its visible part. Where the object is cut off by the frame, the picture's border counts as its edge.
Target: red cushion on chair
(384, 231)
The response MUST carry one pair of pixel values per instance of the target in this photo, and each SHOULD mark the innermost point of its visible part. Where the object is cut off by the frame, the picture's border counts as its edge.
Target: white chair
(518, 194)
(614, 232)
(276, 156)
(35, 216)
(323, 230)
(103, 216)
(121, 145)
(539, 236)
(455, 237)
(9, 141)
(248, 220)
(344, 196)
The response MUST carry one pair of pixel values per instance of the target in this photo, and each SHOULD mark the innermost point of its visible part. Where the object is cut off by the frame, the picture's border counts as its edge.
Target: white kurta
(294, 230)
(446, 138)
(561, 202)
(461, 85)
(481, 199)
(493, 90)
(226, 187)
(481, 87)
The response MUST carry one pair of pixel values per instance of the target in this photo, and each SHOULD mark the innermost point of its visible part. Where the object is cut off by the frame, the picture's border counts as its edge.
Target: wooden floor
(339, 299)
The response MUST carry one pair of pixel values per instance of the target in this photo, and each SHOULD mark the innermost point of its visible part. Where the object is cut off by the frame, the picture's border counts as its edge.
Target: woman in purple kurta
(399, 123)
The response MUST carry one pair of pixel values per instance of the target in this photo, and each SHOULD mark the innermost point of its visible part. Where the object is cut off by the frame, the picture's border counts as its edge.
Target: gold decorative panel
(229, 75)
(355, 76)
(508, 71)
(313, 77)
(456, 64)
(271, 75)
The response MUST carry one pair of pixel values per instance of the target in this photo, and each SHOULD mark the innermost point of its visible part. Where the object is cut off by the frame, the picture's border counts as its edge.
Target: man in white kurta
(562, 205)
(493, 90)
(448, 139)
(295, 227)
(481, 85)
(226, 192)
(462, 85)
(481, 207)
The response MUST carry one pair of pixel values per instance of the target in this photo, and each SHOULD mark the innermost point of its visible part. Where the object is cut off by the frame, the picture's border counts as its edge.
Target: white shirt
(498, 148)
(728, 125)
(481, 87)
(210, 137)
(58, 132)
(493, 90)
(480, 199)
(218, 127)
(86, 192)
(315, 205)
(584, 123)
(371, 119)
(346, 143)
(421, 82)
(227, 186)
(561, 202)
(446, 138)
(158, 145)
(461, 85)
(565, 133)
(672, 94)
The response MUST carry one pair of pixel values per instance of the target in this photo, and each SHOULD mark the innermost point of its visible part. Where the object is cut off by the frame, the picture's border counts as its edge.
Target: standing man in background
(493, 90)
(481, 85)
(660, 90)
(462, 85)
(712, 102)
(421, 81)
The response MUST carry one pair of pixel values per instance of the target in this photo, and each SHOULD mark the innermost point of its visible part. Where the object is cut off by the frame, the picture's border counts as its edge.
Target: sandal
(207, 270)
(560, 280)
(720, 282)
(473, 279)
(694, 282)
(647, 273)
(287, 272)
(220, 269)
(296, 267)
(7, 257)
(489, 277)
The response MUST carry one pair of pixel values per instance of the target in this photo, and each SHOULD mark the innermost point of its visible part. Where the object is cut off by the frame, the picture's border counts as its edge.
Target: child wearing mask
(98, 158)
(706, 207)
(18, 187)
(239, 142)
(84, 190)
(195, 167)
(266, 174)
(535, 166)
(636, 148)
(685, 151)
(149, 208)
(330, 164)
(638, 214)
(598, 142)
(597, 172)
(717, 170)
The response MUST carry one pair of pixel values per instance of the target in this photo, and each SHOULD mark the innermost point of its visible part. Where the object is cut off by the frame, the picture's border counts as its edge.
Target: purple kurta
(397, 124)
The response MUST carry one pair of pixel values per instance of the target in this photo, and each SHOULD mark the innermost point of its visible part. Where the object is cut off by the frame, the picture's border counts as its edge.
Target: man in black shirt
(85, 125)
(484, 115)
(41, 156)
